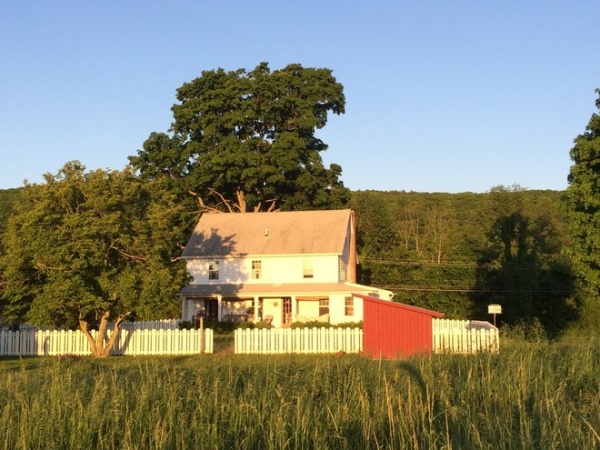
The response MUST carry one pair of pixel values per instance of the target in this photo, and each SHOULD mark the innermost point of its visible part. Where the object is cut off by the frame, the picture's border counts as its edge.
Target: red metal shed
(394, 329)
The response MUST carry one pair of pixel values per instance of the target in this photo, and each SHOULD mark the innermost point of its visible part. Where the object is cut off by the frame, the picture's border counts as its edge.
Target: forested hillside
(457, 253)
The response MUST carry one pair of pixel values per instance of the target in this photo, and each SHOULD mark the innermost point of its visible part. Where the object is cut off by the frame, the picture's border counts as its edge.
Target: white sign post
(494, 309)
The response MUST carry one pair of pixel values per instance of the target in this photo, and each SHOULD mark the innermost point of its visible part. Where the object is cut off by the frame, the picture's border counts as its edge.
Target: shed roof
(413, 309)
(294, 232)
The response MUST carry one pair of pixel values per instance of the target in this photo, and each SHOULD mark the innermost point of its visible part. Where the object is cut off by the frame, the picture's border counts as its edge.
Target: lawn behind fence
(535, 396)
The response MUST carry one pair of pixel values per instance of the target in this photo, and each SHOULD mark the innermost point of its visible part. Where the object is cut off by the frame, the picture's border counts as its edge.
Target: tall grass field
(530, 396)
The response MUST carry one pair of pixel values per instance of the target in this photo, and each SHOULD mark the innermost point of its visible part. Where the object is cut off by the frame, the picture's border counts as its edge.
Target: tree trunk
(241, 198)
(98, 347)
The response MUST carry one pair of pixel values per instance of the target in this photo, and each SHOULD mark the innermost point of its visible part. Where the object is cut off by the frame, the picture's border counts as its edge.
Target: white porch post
(184, 308)
(219, 307)
(255, 305)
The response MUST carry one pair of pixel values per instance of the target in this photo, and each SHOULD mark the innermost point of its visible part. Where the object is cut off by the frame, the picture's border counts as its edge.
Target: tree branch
(272, 205)
(115, 332)
(204, 207)
(83, 325)
(226, 202)
(128, 255)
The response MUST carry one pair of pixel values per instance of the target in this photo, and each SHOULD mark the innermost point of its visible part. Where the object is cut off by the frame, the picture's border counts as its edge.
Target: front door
(212, 309)
(272, 308)
(287, 312)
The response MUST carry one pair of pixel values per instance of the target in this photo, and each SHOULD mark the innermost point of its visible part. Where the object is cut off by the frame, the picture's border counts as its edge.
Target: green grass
(540, 396)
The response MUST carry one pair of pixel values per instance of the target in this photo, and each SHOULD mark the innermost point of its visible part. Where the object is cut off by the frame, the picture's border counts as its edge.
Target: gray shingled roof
(276, 233)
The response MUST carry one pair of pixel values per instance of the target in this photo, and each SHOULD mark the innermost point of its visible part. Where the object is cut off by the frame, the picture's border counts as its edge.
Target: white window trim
(307, 268)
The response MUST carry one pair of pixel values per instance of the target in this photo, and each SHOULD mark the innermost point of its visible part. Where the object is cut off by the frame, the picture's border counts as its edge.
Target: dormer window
(307, 268)
(213, 270)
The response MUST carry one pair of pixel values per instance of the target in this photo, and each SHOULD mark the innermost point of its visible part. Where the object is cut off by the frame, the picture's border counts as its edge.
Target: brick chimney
(352, 257)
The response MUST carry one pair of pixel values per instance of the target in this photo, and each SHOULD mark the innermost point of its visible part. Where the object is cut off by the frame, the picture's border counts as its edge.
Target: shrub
(248, 325)
(186, 325)
(221, 327)
(317, 324)
(531, 331)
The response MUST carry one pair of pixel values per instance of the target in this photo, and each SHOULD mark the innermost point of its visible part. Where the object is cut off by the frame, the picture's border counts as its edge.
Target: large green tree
(245, 141)
(583, 195)
(375, 229)
(86, 248)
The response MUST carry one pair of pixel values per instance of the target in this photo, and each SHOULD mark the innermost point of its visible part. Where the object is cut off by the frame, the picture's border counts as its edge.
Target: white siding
(189, 308)
(274, 269)
(337, 309)
(343, 270)
(230, 271)
(308, 309)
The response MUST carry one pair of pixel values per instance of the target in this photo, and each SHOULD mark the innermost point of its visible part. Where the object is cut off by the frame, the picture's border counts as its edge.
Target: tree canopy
(583, 195)
(245, 141)
(86, 248)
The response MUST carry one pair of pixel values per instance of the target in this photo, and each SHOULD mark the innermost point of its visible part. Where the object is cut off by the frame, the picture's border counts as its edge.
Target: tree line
(458, 253)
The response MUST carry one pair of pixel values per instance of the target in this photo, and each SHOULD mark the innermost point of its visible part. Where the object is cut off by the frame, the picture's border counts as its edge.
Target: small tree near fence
(86, 248)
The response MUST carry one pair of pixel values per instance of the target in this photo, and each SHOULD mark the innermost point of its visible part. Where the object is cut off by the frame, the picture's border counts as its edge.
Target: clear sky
(442, 96)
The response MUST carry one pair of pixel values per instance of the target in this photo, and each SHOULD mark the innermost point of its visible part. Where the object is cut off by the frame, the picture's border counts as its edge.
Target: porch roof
(248, 290)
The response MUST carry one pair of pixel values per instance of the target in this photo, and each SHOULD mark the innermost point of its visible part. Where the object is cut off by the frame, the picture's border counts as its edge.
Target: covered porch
(278, 305)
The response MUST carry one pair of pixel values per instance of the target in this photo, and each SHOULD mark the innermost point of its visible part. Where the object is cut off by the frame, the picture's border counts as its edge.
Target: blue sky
(441, 96)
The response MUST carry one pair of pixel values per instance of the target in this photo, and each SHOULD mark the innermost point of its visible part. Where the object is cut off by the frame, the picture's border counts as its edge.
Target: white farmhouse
(280, 267)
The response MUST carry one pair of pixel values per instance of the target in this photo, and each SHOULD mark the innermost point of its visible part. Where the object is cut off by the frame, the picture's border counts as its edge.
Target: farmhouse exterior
(278, 267)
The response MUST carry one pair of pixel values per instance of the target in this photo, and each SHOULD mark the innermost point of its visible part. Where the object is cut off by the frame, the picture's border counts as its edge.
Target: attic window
(213, 270)
(307, 268)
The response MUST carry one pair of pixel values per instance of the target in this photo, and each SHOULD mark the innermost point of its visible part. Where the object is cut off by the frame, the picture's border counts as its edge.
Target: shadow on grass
(20, 363)
(223, 343)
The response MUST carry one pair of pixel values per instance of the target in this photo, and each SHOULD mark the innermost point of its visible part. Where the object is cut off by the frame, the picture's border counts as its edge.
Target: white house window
(307, 268)
(213, 270)
(256, 270)
(323, 306)
(349, 306)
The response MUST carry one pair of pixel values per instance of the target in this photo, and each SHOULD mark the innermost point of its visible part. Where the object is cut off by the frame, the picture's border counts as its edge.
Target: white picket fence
(464, 336)
(298, 340)
(449, 336)
(138, 342)
(165, 324)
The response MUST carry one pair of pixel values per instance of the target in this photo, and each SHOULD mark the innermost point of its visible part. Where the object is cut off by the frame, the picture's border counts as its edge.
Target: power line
(441, 264)
(471, 290)
(423, 262)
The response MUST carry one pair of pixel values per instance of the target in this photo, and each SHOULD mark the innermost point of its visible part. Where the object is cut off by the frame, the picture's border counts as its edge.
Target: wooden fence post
(201, 334)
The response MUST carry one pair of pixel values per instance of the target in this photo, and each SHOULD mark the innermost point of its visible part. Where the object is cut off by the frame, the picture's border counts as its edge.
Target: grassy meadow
(530, 396)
